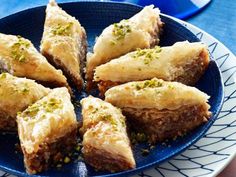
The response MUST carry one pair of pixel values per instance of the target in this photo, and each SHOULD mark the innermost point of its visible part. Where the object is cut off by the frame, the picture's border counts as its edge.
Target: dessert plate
(94, 16)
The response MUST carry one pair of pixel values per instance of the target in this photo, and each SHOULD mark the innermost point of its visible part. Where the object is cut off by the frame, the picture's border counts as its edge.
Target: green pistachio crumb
(3, 75)
(141, 137)
(152, 147)
(63, 30)
(78, 148)
(171, 87)
(66, 160)
(153, 83)
(59, 165)
(147, 55)
(145, 152)
(112, 42)
(18, 49)
(120, 30)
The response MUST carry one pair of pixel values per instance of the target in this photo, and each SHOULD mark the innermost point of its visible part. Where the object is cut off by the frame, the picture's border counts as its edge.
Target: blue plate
(95, 16)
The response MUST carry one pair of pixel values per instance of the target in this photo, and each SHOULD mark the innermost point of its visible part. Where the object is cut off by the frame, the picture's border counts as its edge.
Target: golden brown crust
(50, 152)
(153, 42)
(57, 63)
(7, 123)
(83, 52)
(160, 125)
(103, 86)
(103, 160)
(192, 73)
(78, 82)
(194, 70)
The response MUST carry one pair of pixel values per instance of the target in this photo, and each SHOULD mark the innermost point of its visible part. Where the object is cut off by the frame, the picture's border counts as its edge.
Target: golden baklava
(16, 94)
(64, 43)
(19, 57)
(47, 130)
(183, 62)
(160, 109)
(140, 31)
(106, 145)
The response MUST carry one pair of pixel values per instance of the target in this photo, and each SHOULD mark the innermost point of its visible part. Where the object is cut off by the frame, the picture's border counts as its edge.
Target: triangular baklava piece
(160, 109)
(16, 94)
(106, 145)
(19, 57)
(64, 43)
(183, 62)
(47, 130)
(140, 31)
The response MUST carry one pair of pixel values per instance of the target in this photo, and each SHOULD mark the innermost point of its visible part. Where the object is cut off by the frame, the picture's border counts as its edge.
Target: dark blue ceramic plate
(95, 16)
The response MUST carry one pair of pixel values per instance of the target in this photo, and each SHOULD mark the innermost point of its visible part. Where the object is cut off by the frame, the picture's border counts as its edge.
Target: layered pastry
(47, 130)
(64, 43)
(140, 31)
(106, 145)
(19, 57)
(160, 109)
(16, 94)
(183, 62)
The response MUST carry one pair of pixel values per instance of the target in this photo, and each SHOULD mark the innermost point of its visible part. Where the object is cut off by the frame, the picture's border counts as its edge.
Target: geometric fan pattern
(213, 151)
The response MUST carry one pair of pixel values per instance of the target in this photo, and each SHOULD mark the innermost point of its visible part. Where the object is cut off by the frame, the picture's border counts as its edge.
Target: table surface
(218, 19)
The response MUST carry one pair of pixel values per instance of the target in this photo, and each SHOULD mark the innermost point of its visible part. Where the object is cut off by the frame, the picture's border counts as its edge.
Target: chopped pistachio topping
(49, 106)
(66, 160)
(18, 49)
(138, 137)
(148, 84)
(25, 89)
(148, 55)
(3, 75)
(95, 110)
(120, 30)
(145, 152)
(59, 165)
(63, 30)
(171, 87)
(108, 117)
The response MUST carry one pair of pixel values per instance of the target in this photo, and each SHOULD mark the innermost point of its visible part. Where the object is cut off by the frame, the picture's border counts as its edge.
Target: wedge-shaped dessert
(19, 57)
(183, 62)
(160, 109)
(16, 94)
(64, 43)
(140, 31)
(106, 145)
(47, 130)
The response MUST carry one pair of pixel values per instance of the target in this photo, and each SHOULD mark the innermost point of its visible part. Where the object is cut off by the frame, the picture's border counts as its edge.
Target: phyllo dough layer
(64, 43)
(105, 141)
(183, 62)
(47, 130)
(160, 109)
(19, 57)
(140, 31)
(16, 94)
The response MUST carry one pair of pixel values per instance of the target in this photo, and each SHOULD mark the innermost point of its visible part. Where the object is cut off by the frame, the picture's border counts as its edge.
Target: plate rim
(233, 155)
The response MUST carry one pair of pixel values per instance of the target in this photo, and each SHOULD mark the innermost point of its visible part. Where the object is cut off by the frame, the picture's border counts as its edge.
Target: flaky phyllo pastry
(64, 43)
(16, 94)
(160, 109)
(106, 145)
(19, 57)
(47, 130)
(140, 31)
(183, 62)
